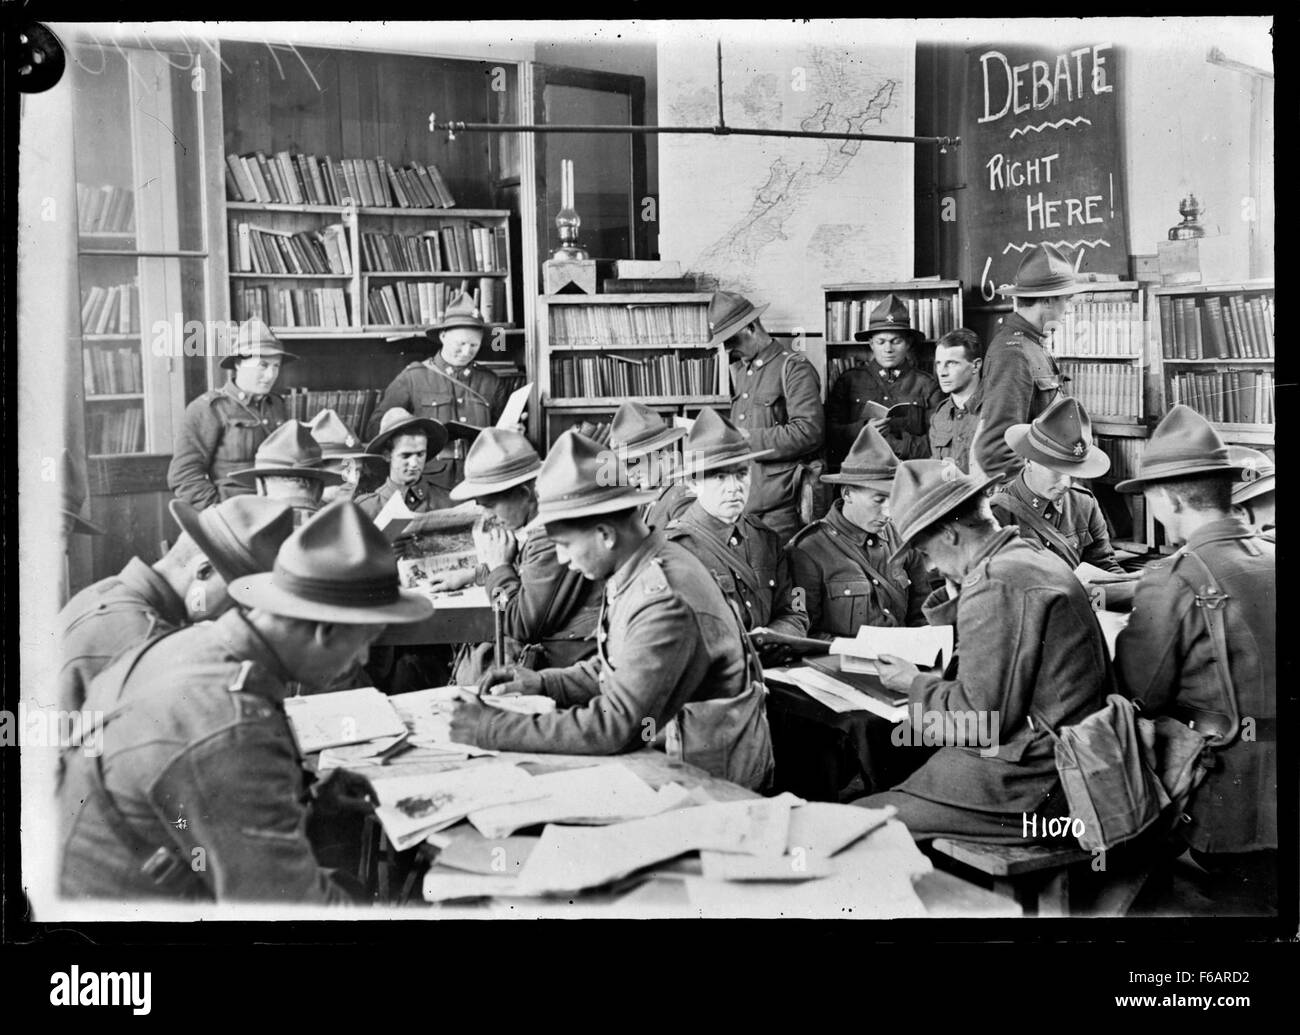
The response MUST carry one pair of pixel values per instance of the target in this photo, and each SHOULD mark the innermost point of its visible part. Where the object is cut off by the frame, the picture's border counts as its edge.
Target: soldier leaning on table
(223, 428)
(198, 792)
(672, 666)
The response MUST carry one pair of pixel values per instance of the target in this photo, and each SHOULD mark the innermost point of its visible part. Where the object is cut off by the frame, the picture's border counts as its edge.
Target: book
(929, 646)
(327, 720)
(867, 683)
(797, 644)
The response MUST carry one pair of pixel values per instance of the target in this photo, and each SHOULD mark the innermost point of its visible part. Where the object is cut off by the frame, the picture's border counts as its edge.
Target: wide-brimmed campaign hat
(240, 536)
(1060, 438)
(637, 431)
(338, 567)
(75, 489)
(890, 314)
(399, 421)
(728, 313)
(498, 460)
(713, 443)
(1184, 444)
(288, 452)
(255, 340)
(924, 491)
(1258, 474)
(462, 311)
(870, 464)
(336, 440)
(582, 478)
(1043, 271)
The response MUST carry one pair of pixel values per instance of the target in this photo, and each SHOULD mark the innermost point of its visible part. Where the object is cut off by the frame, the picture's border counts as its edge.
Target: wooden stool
(1035, 876)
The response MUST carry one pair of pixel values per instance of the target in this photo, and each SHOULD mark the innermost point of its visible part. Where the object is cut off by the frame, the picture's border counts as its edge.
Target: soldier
(404, 442)
(223, 428)
(850, 565)
(288, 468)
(197, 793)
(1021, 378)
(644, 445)
(776, 404)
(891, 378)
(1201, 645)
(1254, 500)
(341, 452)
(188, 584)
(668, 642)
(1044, 500)
(741, 552)
(1028, 646)
(958, 359)
(449, 387)
(549, 611)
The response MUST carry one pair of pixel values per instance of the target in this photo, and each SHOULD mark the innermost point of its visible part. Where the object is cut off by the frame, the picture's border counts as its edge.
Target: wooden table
(462, 616)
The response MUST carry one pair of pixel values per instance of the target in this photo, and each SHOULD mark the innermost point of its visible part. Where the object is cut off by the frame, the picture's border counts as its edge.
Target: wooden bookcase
(350, 104)
(935, 307)
(592, 337)
(1238, 316)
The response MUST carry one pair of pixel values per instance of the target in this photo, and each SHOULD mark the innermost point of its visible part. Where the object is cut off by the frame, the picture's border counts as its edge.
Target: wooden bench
(1037, 877)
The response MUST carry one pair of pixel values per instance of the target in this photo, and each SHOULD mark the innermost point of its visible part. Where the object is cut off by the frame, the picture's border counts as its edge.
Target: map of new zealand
(796, 213)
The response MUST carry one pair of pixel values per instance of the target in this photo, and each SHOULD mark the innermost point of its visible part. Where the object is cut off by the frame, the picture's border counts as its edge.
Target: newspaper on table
(926, 646)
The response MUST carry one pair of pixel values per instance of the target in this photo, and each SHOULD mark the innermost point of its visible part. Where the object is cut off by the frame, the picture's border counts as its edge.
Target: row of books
(112, 371)
(298, 179)
(1231, 396)
(111, 310)
(354, 406)
(293, 307)
(262, 250)
(1125, 456)
(933, 317)
(1216, 327)
(105, 209)
(452, 249)
(628, 325)
(408, 303)
(837, 365)
(576, 377)
(115, 430)
(1100, 329)
(1106, 389)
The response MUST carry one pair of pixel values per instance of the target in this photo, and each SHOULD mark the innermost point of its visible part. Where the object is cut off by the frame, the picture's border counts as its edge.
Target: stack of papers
(427, 718)
(929, 646)
(412, 807)
(835, 694)
(329, 720)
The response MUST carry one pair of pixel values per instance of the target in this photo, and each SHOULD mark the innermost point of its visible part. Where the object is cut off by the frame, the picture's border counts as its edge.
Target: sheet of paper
(834, 694)
(357, 754)
(796, 867)
(445, 885)
(427, 716)
(1090, 574)
(872, 879)
(328, 720)
(597, 795)
(921, 646)
(515, 406)
(521, 704)
(412, 806)
(471, 852)
(394, 516)
(1111, 623)
(569, 859)
(824, 828)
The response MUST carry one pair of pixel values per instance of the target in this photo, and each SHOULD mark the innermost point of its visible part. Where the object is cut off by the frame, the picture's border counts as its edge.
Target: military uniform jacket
(776, 399)
(672, 501)
(220, 434)
(423, 496)
(848, 581)
(104, 619)
(1021, 380)
(197, 761)
(434, 388)
(1027, 640)
(1165, 661)
(846, 408)
(1076, 518)
(547, 603)
(666, 637)
(952, 429)
(749, 565)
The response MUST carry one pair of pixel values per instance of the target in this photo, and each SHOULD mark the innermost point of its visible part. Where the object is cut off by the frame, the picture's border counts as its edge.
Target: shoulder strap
(433, 368)
(1039, 524)
(858, 556)
(745, 575)
(1210, 600)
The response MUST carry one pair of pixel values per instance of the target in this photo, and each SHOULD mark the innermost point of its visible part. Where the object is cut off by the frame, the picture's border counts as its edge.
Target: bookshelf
(934, 307)
(595, 351)
(1215, 350)
(1101, 347)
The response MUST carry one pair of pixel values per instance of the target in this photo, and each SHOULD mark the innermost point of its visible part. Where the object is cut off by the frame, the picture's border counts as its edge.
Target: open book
(394, 517)
(929, 646)
(898, 411)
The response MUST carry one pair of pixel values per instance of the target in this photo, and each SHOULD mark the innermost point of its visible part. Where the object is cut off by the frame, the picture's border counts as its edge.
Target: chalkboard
(1042, 161)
